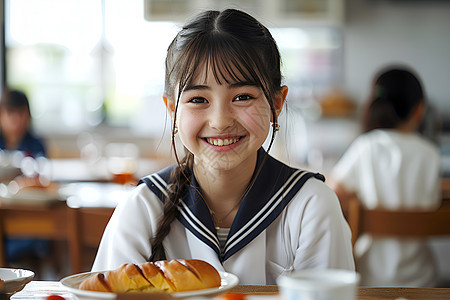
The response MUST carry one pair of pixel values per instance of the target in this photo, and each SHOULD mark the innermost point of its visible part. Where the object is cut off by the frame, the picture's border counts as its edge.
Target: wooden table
(41, 289)
(54, 220)
(40, 220)
(364, 293)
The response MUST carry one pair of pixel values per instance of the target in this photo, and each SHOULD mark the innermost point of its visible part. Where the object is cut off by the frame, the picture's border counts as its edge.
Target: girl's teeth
(222, 142)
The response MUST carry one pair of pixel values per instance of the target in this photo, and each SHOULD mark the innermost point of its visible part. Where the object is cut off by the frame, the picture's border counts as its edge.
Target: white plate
(72, 282)
(14, 279)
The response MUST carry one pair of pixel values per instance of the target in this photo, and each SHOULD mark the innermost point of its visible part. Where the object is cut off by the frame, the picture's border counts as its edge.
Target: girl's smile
(222, 144)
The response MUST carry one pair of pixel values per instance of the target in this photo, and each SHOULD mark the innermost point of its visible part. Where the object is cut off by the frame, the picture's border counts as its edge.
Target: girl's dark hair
(396, 92)
(14, 100)
(237, 48)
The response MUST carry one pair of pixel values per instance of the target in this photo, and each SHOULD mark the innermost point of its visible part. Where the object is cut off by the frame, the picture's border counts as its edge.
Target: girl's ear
(169, 105)
(420, 111)
(418, 114)
(279, 99)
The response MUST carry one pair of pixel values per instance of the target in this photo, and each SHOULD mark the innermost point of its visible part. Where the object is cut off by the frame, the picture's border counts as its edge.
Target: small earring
(276, 126)
(175, 130)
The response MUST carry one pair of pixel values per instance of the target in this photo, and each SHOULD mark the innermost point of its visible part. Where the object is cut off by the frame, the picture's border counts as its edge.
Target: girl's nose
(222, 117)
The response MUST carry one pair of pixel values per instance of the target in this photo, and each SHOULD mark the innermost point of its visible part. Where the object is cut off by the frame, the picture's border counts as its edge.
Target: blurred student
(391, 166)
(16, 134)
(15, 125)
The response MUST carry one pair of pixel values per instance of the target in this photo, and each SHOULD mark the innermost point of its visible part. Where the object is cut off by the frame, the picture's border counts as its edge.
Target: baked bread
(166, 276)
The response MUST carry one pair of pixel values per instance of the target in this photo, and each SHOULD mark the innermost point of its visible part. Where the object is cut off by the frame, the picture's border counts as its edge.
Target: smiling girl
(228, 202)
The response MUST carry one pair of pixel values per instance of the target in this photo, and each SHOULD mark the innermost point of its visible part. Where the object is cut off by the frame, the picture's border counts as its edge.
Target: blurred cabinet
(274, 13)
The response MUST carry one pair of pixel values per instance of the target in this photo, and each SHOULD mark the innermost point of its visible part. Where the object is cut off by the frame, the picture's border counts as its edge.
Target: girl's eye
(198, 100)
(243, 97)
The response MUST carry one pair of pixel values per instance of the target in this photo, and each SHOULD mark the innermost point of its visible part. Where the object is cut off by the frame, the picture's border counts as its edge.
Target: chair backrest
(379, 222)
(86, 226)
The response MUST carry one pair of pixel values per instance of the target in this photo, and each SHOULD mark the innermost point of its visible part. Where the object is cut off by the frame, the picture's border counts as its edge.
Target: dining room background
(94, 70)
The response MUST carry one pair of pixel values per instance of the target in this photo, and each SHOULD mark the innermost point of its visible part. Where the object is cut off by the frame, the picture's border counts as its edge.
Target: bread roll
(161, 276)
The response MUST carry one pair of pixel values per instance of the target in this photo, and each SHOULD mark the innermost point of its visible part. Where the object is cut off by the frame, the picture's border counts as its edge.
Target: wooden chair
(380, 222)
(81, 228)
(86, 226)
(45, 220)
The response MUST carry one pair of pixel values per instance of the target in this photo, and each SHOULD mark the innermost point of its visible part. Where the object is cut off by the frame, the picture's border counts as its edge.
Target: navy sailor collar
(271, 192)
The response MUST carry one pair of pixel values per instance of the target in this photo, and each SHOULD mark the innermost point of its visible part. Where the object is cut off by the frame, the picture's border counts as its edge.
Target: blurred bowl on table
(14, 280)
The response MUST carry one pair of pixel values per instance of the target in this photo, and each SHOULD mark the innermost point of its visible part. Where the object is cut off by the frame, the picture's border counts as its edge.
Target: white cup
(318, 284)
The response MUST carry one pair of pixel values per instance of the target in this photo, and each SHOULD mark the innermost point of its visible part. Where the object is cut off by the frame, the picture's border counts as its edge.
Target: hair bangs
(228, 61)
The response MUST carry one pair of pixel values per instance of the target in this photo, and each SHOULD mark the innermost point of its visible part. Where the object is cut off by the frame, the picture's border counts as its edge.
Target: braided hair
(236, 47)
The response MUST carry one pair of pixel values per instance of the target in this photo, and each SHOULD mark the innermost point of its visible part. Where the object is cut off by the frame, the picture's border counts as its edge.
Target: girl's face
(14, 122)
(225, 124)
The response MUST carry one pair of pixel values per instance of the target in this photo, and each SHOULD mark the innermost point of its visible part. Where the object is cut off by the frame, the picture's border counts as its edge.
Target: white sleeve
(127, 236)
(345, 172)
(434, 179)
(324, 238)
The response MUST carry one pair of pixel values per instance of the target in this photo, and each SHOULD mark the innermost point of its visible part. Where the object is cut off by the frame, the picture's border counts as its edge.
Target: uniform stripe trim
(267, 210)
(198, 225)
(157, 184)
(254, 216)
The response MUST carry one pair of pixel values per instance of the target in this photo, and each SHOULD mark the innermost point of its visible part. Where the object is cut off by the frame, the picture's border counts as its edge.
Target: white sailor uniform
(285, 222)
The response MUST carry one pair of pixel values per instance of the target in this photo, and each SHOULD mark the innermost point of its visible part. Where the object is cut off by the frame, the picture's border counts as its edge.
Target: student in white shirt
(228, 202)
(392, 166)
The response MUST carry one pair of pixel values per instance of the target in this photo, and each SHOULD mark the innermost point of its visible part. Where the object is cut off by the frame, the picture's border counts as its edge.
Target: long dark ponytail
(238, 48)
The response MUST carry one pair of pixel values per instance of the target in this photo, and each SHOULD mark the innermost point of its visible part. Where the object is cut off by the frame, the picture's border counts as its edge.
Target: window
(86, 62)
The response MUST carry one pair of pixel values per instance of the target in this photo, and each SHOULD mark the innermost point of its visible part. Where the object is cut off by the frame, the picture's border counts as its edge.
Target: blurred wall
(416, 32)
